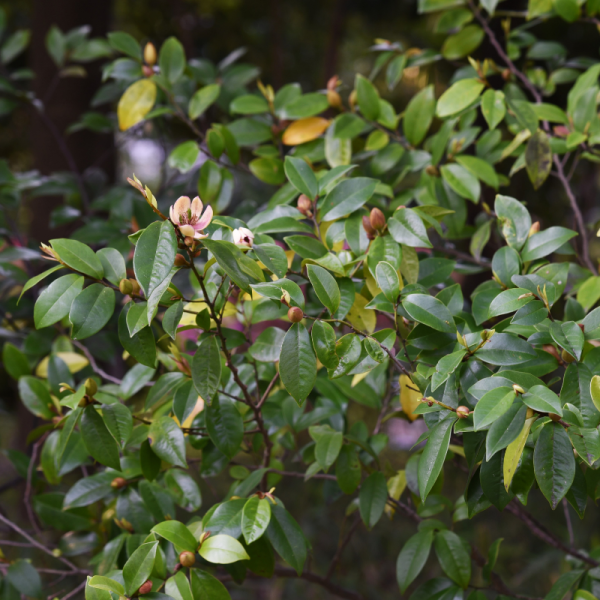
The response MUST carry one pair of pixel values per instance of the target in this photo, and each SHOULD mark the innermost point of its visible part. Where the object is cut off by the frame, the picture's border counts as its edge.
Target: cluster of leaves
(340, 290)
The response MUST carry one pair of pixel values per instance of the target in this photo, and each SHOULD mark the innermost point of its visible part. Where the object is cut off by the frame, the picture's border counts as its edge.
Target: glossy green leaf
(222, 550)
(407, 228)
(461, 181)
(297, 363)
(419, 115)
(138, 568)
(178, 534)
(538, 158)
(255, 518)
(368, 97)
(79, 257)
(167, 441)
(55, 301)
(433, 456)
(388, 281)
(171, 59)
(545, 242)
(459, 96)
(412, 558)
(346, 197)
(225, 425)
(454, 557)
(429, 311)
(206, 368)
(301, 176)
(91, 310)
(493, 107)
(202, 99)
(98, 440)
(325, 287)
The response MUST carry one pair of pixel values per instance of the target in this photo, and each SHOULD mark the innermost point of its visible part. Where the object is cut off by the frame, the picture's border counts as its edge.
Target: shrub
(246, 343)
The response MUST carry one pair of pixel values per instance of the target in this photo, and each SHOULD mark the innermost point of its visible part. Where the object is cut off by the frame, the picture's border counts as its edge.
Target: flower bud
(534, 228)
(180, 261)
(332, 83)
(518, 389)
(295, 314)
(150, 54)
(189, 241)
(187, 558)
(462, 412)
(487, 334)
(377, 219)
(568, 358)
(147, 71)
(352, 99)
(135, 287)
(91, 387)
(554, 417)
(432, 171)
(334, 99)
(125, 287)
(145, 588)
(368, 227)
(118, 483)
(305, 205)
(57, 552)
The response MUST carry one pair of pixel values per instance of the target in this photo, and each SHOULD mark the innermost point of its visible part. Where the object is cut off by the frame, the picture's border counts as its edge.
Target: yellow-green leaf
(136, 103)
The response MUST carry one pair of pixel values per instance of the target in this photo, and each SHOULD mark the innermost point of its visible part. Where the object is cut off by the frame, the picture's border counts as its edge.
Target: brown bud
(91, 387)
(295, 314)
(506, 74)
(305, 205)
(561, 130)
(554, 417)
(187, 558)
(147, 71)
(432, 170)
(334, 99)
(145, 588)
(352, 99)
(368, 227)
(150, 54)
(189, 241)
(462, 412)
(125, 287)
(332, 83)
(582, 327)
(377, 219)
(180, 261)
(135, 287)
(534, 228)
(568, 358)
(118, 483)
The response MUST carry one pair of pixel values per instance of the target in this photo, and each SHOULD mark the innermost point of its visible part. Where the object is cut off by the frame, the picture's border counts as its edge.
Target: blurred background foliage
(306, 41)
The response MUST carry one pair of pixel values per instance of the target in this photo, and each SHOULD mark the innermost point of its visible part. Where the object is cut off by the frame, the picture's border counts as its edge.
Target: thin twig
(568, 520)
(342, 545)
(94, 364)
(27, 497)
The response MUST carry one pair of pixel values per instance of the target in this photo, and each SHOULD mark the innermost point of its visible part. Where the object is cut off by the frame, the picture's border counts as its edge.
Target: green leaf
(554, 463)
(105, 583)
(328, 444)
(178, 534)
(514, 452)
(269, 170)
(274, 290)
(287, 538)
(324, 340)
(15, 362)
(346, 197)
(202, 99)
(347, 469)
(113, 264)
(79, 257)
(419, 115)
(325, 287)
(305, 106)
(569, 337)
(225, 425)
(514, 219)
(493, 107)
(249, 104)
(586, 440)
(505, 349)
(171, 59)
(255, 518)
(273, 257)
(184, 489)
(388, 281)
(434, 455)
(35, 280)
(463, 43)
(563, 585)
(171, 319)
(429, 311)
(545, 242)
(538, 158)
(301, 176)
(305, 246)
(138, 568)
(154, 255)
(14, 45)
(178, 587)
(509, 301)
(525, 115)
(117, 418)
(492, 405)
(454, 558)
(407, 228)
(505, 429)
(267, 346)
(542, 399)
(480, 239)
(459, 96)
(98, 440)
(206, 368)
(91, 310)
(127, 44)
(461, 181)
(167, 441)
(595, 391)
(243, 270)
(479, 168)
(55, 301)
(142, 345)
(368, 97)
(206, 587)
(222, 550)
(297, 363)
(24, 579)
(89, 490)
(183, 157)
(412, 558)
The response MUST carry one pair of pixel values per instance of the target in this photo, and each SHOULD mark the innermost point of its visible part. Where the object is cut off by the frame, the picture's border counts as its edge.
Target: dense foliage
(245, 342)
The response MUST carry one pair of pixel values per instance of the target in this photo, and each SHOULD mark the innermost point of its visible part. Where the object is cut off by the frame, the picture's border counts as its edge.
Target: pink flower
(243, 237)
(187, 215)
